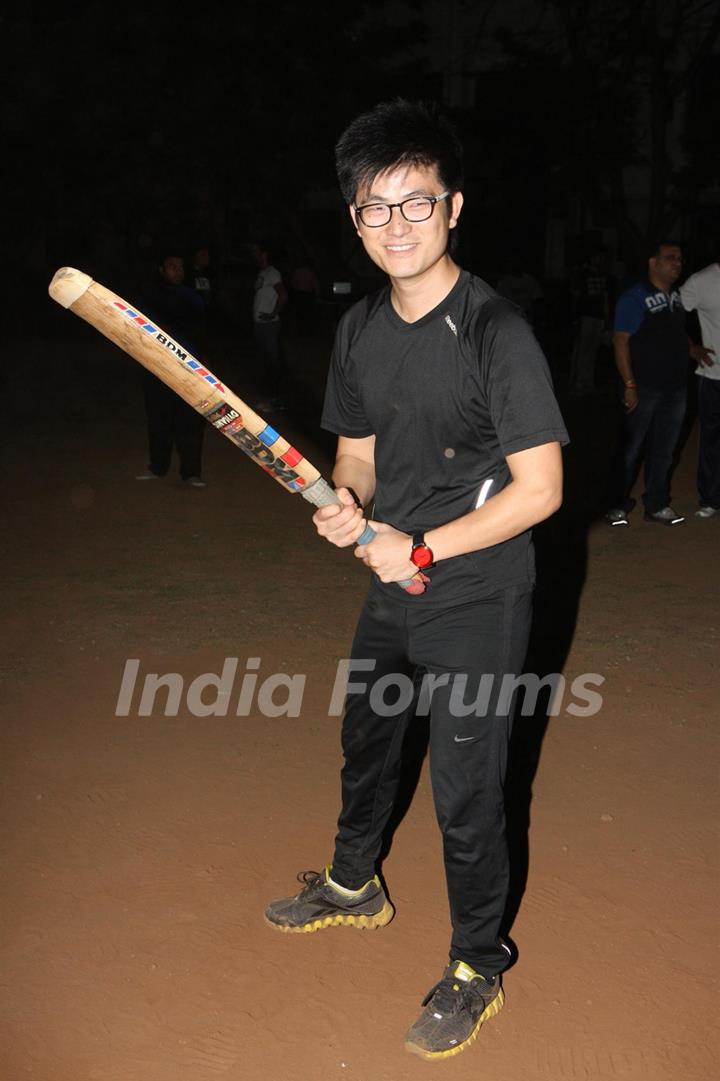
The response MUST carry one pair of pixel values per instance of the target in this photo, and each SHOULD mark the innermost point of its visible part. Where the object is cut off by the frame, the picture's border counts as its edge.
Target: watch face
(421, 556)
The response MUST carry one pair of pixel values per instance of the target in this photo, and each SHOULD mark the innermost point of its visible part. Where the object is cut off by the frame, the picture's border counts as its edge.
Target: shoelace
(309, 878)
(449, 994)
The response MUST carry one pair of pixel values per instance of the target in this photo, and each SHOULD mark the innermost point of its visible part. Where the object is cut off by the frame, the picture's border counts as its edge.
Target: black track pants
(466, 651)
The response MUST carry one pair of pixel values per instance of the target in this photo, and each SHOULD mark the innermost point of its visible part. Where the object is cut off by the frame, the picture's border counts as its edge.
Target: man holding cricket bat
(449, 443)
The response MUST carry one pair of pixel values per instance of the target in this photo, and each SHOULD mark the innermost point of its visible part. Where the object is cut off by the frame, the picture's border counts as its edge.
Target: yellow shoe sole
(490, 1011)
(367, 923)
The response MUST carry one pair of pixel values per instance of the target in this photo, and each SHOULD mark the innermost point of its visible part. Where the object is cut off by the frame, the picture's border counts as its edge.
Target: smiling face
(409, 251)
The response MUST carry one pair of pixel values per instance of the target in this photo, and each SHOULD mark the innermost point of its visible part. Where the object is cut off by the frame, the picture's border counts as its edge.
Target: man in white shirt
(269, 299)
(701, 292)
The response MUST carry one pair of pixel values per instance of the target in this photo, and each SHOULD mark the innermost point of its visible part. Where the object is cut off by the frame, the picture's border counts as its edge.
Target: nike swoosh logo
(463, 739)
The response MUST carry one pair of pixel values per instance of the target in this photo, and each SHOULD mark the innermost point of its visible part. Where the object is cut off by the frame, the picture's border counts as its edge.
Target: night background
(584, 125)
(141, 848)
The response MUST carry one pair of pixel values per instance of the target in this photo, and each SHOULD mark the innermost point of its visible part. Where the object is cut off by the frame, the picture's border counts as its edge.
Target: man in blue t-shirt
(652, 351)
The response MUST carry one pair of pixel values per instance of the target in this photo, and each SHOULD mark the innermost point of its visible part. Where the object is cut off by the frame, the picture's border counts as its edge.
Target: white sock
(342, 889)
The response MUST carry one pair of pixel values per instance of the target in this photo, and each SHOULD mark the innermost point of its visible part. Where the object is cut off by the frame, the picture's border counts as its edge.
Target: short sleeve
(343, 411)
(519, 390)
(629, 313)
(688, 294)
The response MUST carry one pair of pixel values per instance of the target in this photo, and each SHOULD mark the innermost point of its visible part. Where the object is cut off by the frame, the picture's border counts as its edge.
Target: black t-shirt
(180, 312)
(448, 398)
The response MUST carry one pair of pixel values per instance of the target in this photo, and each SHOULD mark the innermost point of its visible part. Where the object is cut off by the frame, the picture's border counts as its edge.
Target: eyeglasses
(419, 208)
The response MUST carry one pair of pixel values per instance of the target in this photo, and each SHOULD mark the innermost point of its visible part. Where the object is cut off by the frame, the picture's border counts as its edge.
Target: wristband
(631, 386)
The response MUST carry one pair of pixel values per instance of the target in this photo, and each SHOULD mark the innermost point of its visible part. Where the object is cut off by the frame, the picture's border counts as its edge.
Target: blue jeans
(653, 428)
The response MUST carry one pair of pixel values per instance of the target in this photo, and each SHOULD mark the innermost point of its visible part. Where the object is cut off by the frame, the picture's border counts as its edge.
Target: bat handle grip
(320, 494)
(414, 585)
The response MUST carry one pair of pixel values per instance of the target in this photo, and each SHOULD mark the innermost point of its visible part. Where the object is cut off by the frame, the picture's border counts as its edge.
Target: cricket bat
(156, 350)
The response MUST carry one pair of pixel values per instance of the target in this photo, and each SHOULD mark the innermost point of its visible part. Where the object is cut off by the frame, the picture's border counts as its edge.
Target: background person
(652, 350)
(269, 299)
(701, 293)
(590, 296)
(170, 420)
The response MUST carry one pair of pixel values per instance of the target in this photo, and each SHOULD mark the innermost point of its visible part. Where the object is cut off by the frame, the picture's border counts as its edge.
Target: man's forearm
(534, 493)
(356, 474)
(623, 363)
(517, 508)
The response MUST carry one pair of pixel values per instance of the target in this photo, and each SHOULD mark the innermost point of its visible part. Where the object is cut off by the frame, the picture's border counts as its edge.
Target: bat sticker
(150, 346)
(177, 350)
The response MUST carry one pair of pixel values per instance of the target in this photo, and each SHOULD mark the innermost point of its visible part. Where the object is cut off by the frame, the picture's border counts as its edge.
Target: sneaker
(148, 476)
(707, 512)
(455, 1009)
(666, 516)
(322, 904)
(195, 482)
(616, 516)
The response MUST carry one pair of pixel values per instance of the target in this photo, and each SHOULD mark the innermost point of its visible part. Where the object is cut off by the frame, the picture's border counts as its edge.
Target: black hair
(168, 249)
(653, 248)
(398, 132)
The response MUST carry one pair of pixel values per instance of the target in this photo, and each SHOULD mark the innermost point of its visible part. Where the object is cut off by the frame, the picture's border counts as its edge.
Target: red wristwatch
(421, 555)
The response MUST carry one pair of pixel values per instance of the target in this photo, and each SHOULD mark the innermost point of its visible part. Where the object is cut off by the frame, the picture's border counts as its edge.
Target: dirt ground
(139, 851)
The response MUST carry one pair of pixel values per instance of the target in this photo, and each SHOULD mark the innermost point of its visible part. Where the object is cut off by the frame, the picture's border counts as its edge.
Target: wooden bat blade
(157, 351)
(166, 358)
